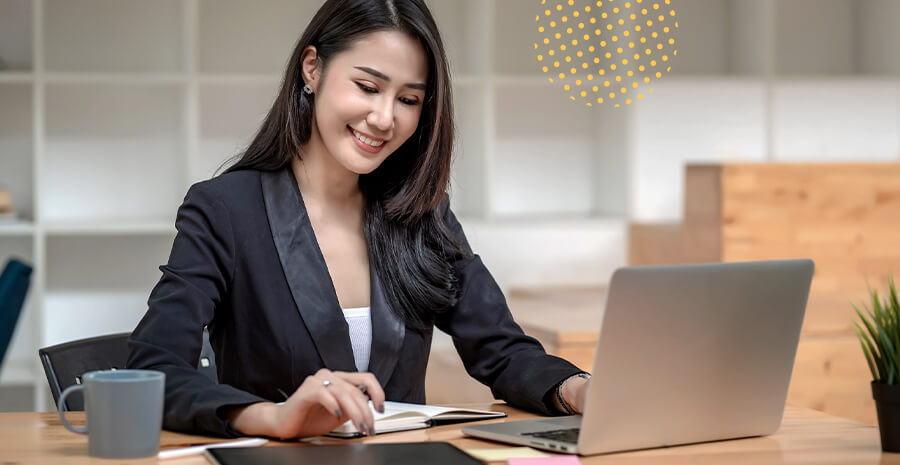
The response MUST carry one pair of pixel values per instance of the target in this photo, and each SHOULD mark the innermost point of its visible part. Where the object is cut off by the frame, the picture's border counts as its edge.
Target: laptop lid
(694, 353)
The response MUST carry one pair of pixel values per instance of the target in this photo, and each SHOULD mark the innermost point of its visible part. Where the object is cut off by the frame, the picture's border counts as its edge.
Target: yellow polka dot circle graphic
(606, 51)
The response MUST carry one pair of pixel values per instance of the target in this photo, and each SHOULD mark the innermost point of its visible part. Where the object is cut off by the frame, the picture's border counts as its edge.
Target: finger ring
(326, 383)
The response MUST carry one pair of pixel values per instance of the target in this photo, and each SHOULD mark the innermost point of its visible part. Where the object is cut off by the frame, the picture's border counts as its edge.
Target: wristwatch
(565, 405)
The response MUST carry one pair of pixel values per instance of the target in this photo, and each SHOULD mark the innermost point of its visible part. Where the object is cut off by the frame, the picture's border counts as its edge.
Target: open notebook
(399, 416)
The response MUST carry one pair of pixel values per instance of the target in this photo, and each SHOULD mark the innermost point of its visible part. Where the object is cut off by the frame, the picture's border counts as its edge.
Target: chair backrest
(65, 364)
(14, 284)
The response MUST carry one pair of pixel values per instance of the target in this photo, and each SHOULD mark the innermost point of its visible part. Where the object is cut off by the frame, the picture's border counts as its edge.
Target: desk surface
(805, 436)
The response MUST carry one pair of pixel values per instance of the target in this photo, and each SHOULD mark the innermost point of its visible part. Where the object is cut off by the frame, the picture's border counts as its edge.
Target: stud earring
(308, 89)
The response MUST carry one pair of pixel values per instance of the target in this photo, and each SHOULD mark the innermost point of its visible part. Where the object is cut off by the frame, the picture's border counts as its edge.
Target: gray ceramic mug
(124, 412)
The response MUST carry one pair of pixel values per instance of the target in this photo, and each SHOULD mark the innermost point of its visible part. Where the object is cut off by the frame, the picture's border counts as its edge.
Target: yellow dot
(659, 46)
(627, 4)
(640, 96)
(625, 61)
(672, 13)
(609, 27)
(626, 33)
(587, 8)
(630, 73)
(661, 18)
(623, 90)
(637, 56)
(574, 42)
(557, 35)
(583, 93)
(628, 101)
(616, 10)
(596, 60)
(619, 50)
(595, 88)
(637, 28)
(643, 11)
(600, 100)
(591, 48)
(605, 83)
(547, 12)
(552, 23)
(578, 82)
(649, 23)
(648, 51)
(621, 21)
(562, 75)
(568, 30)
(579, 53)
(632, 16)
(675, 53)
(546, 40)
(601, 72)
(658, 75)
(575, 14)
(550, 79)
(617, 105)
(541, 29)
(615, 38)
(635, 85)
(603, 43)
(593, 20)
(669, 69)
(599, 3)
(597, 32)
(655, 6)
(665, 58)
(676, 24)
(535, 45)
(558, 7)
(612, 95)
(551, 52)
(612, 66)
(544, 69)
(567, 87)
(643, 40)
(651, 91)
(671, 41)
(556, 64)
(647, 80)
(562, 47)
(564, 19)
(630, 44)
(654, 35)
(572, 70)
(584, 65)
(568, 59)
(580, 25)
(571, 2)
(540, 57)
(608, 55)
(537, 17)
(618, 78)
(590, 76)
(652, 62)
(666, 29)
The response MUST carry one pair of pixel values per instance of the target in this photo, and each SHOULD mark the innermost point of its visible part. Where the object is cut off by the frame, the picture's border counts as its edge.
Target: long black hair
(410, 247)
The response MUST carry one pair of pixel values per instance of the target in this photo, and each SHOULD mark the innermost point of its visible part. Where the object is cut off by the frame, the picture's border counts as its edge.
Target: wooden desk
(806, 436)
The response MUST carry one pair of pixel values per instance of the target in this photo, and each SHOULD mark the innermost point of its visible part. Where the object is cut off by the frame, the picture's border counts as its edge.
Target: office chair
(14, 284)
(65, 364)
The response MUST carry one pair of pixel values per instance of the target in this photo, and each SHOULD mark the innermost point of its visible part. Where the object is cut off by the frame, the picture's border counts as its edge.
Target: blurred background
(111, 109)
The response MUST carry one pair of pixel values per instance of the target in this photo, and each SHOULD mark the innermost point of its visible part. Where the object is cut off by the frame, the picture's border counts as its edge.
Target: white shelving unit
(111, 109)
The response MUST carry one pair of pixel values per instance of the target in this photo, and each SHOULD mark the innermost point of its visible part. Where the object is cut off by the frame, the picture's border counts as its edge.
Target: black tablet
(416, 453)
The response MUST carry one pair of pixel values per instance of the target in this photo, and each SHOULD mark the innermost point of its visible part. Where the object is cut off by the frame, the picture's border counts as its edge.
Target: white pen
(193, 450)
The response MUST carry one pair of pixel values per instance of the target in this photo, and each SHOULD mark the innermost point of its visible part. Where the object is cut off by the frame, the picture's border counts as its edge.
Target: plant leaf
(864, 342)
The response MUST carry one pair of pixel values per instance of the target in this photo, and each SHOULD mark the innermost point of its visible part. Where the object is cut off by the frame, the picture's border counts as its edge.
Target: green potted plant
(879, 335)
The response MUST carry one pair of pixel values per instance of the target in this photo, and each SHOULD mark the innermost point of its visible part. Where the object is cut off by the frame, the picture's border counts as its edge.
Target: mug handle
(60, 406)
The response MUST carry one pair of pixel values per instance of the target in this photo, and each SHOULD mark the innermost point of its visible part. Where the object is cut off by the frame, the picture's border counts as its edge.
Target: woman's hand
(323, 402)
(574, 391)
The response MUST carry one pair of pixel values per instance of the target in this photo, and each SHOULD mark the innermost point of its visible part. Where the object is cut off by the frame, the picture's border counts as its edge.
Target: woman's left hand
(574, 391)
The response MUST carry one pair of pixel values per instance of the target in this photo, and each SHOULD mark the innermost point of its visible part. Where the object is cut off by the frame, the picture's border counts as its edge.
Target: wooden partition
(843, 216)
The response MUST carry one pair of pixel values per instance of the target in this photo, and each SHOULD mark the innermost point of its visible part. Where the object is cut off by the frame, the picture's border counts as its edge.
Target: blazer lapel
(305, 270)
(387, 333)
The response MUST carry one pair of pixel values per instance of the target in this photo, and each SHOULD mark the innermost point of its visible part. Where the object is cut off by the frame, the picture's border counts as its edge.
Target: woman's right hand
(322, 403)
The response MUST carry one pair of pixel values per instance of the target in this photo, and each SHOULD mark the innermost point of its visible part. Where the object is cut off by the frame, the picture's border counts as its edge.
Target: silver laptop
(686, 354)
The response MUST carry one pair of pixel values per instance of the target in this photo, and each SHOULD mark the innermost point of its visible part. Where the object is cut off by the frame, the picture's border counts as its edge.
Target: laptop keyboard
(563, 435)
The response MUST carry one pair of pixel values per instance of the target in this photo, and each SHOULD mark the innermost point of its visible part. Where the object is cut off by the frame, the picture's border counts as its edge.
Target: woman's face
(370, 100)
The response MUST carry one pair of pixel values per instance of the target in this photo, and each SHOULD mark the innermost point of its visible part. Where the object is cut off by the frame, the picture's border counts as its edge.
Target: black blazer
(245, 263)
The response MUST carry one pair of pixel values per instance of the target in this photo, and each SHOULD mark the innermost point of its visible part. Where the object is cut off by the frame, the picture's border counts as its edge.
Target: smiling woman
(324, 256)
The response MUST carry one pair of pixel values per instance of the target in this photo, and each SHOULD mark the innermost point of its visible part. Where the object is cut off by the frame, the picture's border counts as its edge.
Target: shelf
(140, 152)
(16, 143)
(463, 25)
(77, 315)
(17, 228)
(236, 39)
(123, 78)
(16, 52)
(117, 263)
(16, 77)
(17, 373)
(113, 36)
(467, 175)
(228, 119)
(118, 227)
